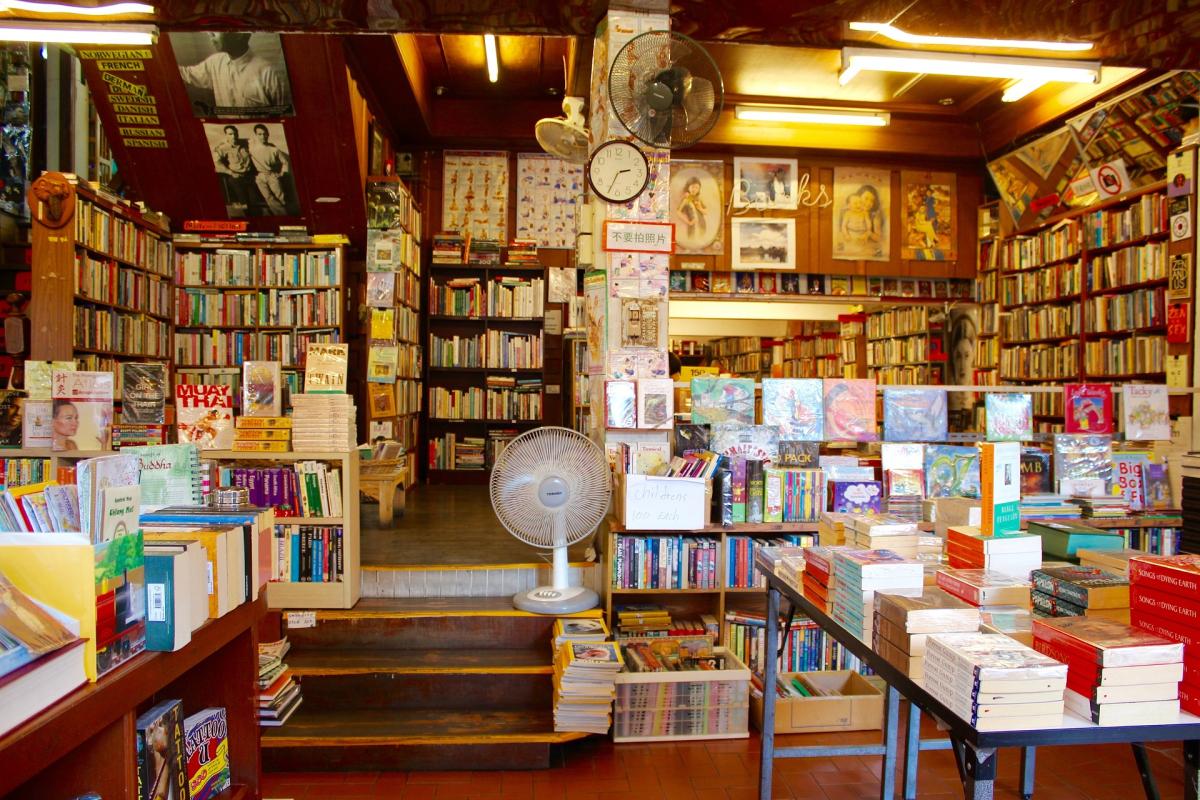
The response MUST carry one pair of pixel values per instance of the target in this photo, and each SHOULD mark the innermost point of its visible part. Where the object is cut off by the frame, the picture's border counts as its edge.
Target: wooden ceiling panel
(530, 66)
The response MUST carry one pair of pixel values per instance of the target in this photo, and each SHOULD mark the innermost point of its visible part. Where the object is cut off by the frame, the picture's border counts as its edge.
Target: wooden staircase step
(535, 661)
(439, 606)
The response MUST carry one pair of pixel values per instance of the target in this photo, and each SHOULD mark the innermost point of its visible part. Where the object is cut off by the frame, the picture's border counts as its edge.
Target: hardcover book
(83, 410)
(749, 441)
(143, 393)
(656, 402)
(856, 497)
(798, 454)
(204, 416)
(381, 289)
(1009, 416)
(162, 764)
(262, 389)
(620, 404)
(849, 410)
(690, 438)
(914, 415)
(1087, 408)
(984, 587)
(1177, 574)
(207, 750)
(325, 368)
(1035, 472)
(1079, 456)
(951, 471)
(1144, 410)
(722, 400)
(795, 407)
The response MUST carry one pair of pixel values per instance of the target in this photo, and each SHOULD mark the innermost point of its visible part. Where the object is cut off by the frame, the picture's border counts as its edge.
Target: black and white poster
(255, 169)
(234, 74)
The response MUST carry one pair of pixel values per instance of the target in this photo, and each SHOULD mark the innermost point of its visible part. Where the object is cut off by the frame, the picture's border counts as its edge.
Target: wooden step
(366, 740)
(468, 580)
(328, 662)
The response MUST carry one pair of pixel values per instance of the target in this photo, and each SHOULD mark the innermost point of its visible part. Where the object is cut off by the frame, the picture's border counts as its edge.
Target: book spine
(1182, 610)
(958, 588)
(1064, 590)
(1064, 642)
(1163, 578)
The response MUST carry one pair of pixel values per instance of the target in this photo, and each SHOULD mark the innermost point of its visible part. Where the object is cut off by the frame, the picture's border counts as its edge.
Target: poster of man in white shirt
(234, 74)
(254, 168)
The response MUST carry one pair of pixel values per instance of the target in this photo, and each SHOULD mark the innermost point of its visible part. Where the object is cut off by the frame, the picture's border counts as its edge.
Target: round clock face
(618, 171)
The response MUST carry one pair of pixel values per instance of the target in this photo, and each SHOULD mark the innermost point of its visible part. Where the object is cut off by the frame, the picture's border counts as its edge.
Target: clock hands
(614, 180)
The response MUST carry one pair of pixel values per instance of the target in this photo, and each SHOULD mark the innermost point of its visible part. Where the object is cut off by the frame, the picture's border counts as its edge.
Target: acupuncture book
(83, 410)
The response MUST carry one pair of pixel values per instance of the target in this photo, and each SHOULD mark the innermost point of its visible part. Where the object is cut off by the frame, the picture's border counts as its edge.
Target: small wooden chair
(383, 481)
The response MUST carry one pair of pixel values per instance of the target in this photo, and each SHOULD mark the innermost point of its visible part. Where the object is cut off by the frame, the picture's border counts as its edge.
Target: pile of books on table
(278, 691)
(903, 624)
(884, 533)
(1115, 561)
(1047, 506)
(1011, 554)
(1104, 507)
(585, 685)
(323, 422)
(818, 582)
(861, 573)
(1080, 591)
(984, 587)
(1164, 599)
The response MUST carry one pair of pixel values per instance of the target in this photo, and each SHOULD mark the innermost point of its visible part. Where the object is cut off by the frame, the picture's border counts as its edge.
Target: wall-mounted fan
(666, 89)
(566, 137)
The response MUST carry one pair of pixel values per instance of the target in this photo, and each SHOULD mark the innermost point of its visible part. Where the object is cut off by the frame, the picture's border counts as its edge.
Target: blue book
(295, 557)
(160, 602)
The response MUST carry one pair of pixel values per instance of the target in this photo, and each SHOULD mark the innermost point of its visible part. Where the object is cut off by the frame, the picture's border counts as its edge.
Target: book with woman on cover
(83, 410)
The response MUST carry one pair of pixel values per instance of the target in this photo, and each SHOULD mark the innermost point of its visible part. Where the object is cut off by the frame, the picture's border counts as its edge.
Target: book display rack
(815, 351)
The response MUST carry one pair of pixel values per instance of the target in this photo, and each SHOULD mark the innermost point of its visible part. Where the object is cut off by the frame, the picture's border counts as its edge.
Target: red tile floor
(596, 769)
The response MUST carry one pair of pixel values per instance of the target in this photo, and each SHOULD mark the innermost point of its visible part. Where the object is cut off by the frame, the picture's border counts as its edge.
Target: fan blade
(699, 100)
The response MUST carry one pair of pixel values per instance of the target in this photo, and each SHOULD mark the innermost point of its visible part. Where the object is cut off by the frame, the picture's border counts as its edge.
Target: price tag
(301, 619)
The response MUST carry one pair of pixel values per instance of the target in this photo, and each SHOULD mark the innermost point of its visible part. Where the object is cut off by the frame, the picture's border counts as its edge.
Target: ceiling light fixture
(493, 63)
(969, 65)
(812, 115)
(889, 31)
(1021, 88)
(76, 33)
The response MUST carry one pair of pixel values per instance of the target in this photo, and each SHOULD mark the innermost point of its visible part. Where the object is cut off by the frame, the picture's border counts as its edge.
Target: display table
(975, 751)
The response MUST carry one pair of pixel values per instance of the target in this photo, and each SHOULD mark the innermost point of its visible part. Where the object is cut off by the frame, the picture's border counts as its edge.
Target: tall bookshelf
(904, 345)
(852, 336)
(485, 357)
(813, 351)
(744, 356)
(240, 301)
(106, 267)
(1083, 298)
(577, 378)
(987, 345)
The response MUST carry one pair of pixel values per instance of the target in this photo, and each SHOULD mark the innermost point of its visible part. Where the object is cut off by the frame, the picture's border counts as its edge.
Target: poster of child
(862, 208)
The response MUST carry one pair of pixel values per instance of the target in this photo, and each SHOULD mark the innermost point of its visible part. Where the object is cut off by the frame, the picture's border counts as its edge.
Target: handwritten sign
(639, 237)
(664, 504)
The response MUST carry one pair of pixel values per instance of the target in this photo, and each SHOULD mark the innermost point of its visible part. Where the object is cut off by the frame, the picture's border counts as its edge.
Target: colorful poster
(861, 214)
(475, 193)
(547, 187)
(697, 207)
(930, 225)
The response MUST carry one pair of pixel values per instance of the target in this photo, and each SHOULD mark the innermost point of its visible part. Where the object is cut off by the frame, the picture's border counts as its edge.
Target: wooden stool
(382, 481)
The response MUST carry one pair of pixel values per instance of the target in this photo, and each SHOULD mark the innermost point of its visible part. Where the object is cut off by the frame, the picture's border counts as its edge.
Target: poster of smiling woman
(861, 213)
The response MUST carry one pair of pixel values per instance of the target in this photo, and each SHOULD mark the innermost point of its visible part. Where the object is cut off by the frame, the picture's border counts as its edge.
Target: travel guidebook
(1087, 408)
(83, 410)
(795, 407)
(849, 410)
(204, 416)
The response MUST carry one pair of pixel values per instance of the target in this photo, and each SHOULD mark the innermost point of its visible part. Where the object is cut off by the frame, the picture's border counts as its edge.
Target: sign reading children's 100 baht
(135, 109)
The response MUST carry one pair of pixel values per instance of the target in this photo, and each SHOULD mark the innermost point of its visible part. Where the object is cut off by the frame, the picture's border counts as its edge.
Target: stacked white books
(903, 624)
(323, 422)
(859, 574)
(1015, 554)
(1116, 674)
(993, 682)
(884, 533)
(585, 685)
(930, 548)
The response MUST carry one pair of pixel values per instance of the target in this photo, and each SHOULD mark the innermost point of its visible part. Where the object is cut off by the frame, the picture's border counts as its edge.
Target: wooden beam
(414, 69)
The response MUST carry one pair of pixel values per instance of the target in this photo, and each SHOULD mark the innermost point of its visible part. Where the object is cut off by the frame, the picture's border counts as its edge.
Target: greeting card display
(1087, 408)
(849, 410)
(1009, 416)
(795, 406)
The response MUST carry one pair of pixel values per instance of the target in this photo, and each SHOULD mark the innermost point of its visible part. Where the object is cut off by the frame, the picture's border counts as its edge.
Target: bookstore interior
(395, 397)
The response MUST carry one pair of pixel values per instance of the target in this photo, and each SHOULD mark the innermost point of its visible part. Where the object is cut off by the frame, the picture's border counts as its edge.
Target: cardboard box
(654, 503)
(857, 706)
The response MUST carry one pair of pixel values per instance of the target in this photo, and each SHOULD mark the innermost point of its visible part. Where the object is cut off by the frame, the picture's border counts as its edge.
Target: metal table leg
(767, 759)
(980, 768)
(1143, 764)
(891, 737)
(1191, 769)
(1028, 767)
(912, 751)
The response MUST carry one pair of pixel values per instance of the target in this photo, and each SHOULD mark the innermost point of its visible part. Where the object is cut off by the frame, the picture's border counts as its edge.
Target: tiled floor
(596, 769)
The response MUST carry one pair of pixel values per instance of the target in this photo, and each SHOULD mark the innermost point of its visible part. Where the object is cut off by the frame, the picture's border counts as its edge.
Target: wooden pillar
(51, 308)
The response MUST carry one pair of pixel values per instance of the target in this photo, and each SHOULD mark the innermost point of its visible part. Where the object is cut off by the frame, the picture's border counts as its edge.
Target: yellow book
(261, 447)
(262, 435)
(258, 423)
(215, 542)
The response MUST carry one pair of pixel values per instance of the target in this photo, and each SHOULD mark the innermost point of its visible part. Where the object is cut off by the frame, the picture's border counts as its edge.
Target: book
(914, 415)
(381, 289)
(12, 426)
(161, 761)
(325, 367)
(204, 415)
(983, 587)
(83, 410)
(689, 438)
(951, 471)
(1160, 712)
(1172, 574)
(169, 474)
(749, 441)
(262, 389)
(1000, 487)
(143, 393)
(1105, 642)
(849, 409)
(1087, 408)
(37, 423)
(655, 402)
(1009, 416)
(1145, 412)
(795, 407)
(855, 497)
(722, 400)
(382, 363)
(1035, 472)
(1084, 586)
(207, 751)
(620, 404)
(798, 454)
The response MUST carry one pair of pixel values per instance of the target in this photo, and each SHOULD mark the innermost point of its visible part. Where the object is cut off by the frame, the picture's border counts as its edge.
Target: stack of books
(1115, 561)
(903, 624)
(984, 587)
(995, 683)
(585, 685)
(1009, 620)
(859, 574)
(323, 422)
(930, 548)
(1015, 554)
(890, 532)
(578, 629)
(448, 248)
(1163, 592)
(831, 528)
(1080, 591)
(1116, 674)
(905, 491)
(1108, 507)
(1047, 506)
(522, 253)
(652, 619)
(278, 691)
(262, 434)
(818, 582)
(1062, 539)
(784, 560)
(127, 434)
(484, 251)
(671, 655)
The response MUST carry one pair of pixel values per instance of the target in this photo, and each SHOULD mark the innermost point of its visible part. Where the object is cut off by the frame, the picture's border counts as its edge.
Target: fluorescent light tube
(76, 33)
(857, 59)
(1021, 88)
(812, 115)
(493, 64)
(890, 31)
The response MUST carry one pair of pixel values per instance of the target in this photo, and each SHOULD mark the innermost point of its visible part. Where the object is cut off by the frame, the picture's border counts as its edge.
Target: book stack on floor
(1116, 674)
(861, 573)
(1080, 591)
(993, 682)
(1115, 561)
(262, 434)
(1011, 554)
(888, 532)
(585, 685)
(818, 582)
(1061, 540)
(985, 588)
(1106, 507)
(1163, 592)
(323, 422)
(278, 691)
(903, 623)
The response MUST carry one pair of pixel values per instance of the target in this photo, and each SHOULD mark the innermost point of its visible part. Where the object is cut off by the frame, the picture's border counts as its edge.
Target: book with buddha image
(1087, 408)
(83, 410)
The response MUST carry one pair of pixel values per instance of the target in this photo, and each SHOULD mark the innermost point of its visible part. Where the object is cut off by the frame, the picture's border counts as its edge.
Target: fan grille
(535, 457)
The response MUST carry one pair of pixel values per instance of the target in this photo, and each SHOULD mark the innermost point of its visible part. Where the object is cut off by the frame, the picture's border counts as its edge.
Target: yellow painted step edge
(550, 737)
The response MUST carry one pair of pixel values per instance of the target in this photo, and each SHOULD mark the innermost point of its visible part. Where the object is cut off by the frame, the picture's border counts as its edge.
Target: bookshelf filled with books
(813, 350)
(743, 356)
(484, 370)
(904, 345)
(105, 266)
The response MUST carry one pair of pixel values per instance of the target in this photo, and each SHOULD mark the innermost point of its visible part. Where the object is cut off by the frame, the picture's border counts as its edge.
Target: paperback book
(1087, 408)
(262, 389)
(620, 404)
(83, 410)
(207, 750)
(381, 363)
(325, 368)
(656, 402)
(849, 410)
(1009, 416)
(12, 427)
(1035, 472)
(1145, 412)
(914, 415)
(689, 437)
(162, 764)
(143, 393)
(381, 289)
(795, 407)
(204, 416)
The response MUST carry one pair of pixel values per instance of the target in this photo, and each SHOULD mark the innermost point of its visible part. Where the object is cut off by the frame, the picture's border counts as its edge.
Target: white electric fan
(550, 488)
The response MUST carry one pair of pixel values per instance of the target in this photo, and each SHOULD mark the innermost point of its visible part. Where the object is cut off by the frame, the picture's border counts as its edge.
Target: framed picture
(765, 183)
(861, 214)
(375, 163)
(697, 206)
(254, 167)
(930, 226)
(764, 243)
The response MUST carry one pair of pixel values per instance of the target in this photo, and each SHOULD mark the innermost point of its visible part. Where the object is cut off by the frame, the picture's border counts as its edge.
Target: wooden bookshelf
(85, 742)
(92, 254)
(904, 345)
(812, 349)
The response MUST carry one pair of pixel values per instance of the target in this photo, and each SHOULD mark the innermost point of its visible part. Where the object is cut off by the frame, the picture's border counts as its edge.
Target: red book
(1106, 642)
(1179, 575)
(1087, 408)
(1183, 611)
(1189, 698)
(1077, 663)
(818, 573)
(1149, 619)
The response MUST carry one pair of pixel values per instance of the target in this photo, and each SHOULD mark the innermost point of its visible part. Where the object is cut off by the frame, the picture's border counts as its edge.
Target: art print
(475, 193)
(765, 183)
(233, 74)
(930, 228)
(639, 275)
(697, 206)
(547, 188)
(861, 214)
(763, 243)
(255, 169)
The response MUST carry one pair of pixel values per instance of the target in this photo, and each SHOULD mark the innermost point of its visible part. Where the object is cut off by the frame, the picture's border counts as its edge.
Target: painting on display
(930, 227)
(233, 74)
(547, 187)
(475, 193)
(765, 183)
(861, 210)
(764, 243)
(697, 205)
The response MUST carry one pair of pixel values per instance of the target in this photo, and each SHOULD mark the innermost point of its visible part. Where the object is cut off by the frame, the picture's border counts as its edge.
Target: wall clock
(618, 171)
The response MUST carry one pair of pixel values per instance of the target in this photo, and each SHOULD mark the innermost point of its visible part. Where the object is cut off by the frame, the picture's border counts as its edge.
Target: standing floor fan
(550, 488)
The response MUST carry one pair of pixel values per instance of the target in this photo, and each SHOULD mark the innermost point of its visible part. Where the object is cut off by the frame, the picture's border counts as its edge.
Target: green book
(1062, 540)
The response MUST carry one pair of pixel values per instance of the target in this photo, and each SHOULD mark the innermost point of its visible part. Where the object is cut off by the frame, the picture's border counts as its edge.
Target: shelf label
(297, 620)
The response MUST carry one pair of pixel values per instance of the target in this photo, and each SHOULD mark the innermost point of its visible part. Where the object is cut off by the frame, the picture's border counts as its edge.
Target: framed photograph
(764, 243)
(252, 162)
(233, 74)
(764, 183)
(697, 206)
(375, 162)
